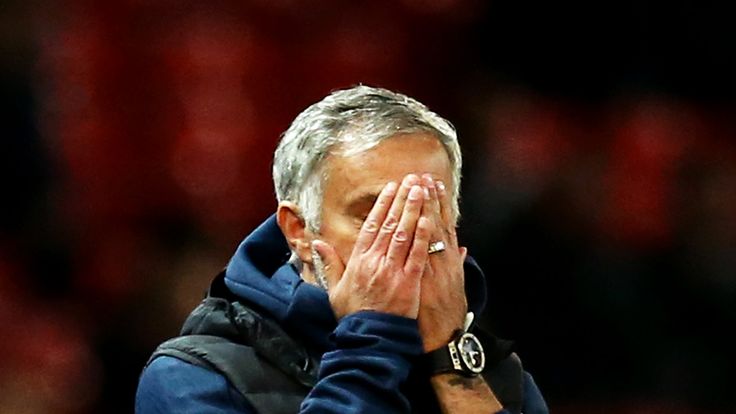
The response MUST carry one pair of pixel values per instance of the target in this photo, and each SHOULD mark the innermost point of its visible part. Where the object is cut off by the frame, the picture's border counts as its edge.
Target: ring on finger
(436, 247)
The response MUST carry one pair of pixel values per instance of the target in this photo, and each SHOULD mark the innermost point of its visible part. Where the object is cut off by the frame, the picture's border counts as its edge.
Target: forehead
(392, 159)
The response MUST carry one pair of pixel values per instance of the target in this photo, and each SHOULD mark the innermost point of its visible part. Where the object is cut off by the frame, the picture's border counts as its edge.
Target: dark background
(599, 192)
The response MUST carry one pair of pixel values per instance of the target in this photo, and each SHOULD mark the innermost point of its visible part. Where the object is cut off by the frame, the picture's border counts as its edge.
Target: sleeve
(371, 359)
(533, 401)
(169, 385)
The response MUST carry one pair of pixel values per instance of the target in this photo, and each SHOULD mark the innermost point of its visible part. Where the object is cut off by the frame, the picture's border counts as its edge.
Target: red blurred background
(599, 192)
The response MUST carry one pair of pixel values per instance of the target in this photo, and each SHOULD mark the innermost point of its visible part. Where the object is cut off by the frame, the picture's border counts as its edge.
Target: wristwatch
(462, 355)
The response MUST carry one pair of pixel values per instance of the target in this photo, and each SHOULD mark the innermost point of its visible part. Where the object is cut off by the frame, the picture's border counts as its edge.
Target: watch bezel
(466, 358)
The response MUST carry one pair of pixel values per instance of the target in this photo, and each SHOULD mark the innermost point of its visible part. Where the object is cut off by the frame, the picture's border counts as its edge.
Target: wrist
(463, 355)
(437, 333)
(432, 344)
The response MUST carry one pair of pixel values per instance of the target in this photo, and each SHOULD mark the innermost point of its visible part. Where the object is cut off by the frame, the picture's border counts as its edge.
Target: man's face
(354, 182)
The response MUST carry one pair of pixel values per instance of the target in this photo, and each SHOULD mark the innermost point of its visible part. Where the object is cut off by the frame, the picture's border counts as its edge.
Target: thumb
(328, 266)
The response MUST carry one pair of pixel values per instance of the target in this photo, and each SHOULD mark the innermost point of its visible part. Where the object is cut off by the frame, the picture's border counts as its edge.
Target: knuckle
(422, 232)
(422, 236)
(400, 237)
(369, 268)
(391, 263)
(370, 265)
(413, 268)
(370, 225)
(389, 225)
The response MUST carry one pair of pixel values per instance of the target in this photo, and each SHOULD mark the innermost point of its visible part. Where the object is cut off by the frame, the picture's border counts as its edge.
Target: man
(354, 296)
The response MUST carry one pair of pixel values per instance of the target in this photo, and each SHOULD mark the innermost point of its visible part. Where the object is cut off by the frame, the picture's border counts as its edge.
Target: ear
(295, 230)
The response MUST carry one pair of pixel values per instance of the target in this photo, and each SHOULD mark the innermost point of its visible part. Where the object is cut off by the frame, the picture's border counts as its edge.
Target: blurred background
(599, 192)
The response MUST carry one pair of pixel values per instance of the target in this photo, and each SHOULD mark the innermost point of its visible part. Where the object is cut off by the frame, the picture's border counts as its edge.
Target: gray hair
(345, 123)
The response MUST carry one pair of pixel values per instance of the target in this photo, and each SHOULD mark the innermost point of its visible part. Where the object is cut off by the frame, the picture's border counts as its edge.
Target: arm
(458, 394)
(444, 307)
(372, 357)
(461, 394)
(364, 373)
(375, 295)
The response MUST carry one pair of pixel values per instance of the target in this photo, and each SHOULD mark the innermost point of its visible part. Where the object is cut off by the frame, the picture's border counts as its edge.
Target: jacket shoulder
(238, 368)
(169, 384)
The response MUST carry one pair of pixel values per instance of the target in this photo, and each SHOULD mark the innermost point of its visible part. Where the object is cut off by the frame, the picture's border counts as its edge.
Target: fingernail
(441, 185)
(391, 187)
(426, 193)
(429, 180)
(415, 193)
(410, 180)
(406, 182)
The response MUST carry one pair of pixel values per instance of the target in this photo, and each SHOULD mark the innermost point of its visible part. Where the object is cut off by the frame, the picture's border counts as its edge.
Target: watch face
(471, 353)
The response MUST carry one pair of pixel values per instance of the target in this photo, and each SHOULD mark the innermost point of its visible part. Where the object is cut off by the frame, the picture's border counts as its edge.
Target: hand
(385, 267)
(443, 304)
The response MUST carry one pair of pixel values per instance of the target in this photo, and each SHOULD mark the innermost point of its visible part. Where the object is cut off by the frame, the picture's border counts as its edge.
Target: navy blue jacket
(365, 356)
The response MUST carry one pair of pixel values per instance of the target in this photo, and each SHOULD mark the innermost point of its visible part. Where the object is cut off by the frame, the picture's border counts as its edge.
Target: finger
(433, 204)
(432, 209)
(391, 221)
(375, 218)
(449, 219)
(445, 204)
(417, 259)
(402, 238)
(328, 267)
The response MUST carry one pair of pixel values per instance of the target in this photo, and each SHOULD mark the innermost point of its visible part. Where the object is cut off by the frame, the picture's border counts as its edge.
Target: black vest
(274, 372)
